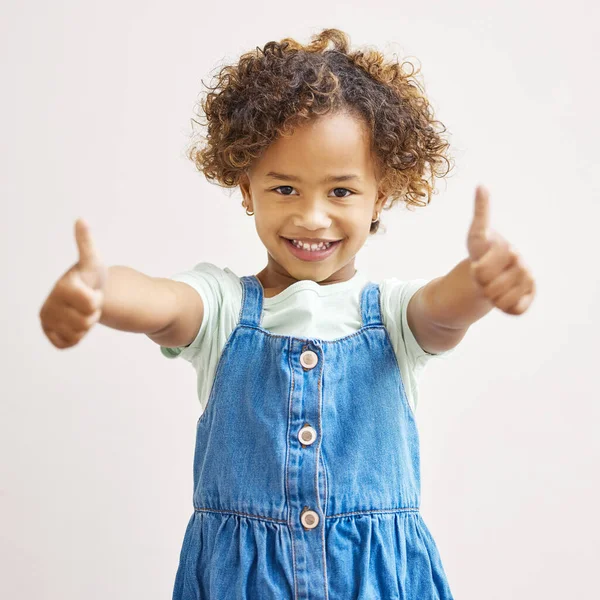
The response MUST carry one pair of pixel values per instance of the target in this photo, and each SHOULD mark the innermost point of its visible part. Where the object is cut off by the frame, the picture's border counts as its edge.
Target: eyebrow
(328, 179)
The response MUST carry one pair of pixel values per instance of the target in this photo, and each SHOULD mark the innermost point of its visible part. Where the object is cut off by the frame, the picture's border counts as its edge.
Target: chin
(314, 272)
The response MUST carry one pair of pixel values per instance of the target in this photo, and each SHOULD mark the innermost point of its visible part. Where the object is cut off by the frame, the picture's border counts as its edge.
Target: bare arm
(168, 312)
(440, 313)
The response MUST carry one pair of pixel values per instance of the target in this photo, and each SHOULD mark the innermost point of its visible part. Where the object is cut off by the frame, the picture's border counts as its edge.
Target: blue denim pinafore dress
(306, 472)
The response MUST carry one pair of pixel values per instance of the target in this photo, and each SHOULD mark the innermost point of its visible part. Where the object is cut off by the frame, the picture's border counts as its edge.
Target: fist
(75, 303)
(496, 266)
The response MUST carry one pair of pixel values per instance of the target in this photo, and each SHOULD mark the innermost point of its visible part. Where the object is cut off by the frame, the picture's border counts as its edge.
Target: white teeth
(311, 247)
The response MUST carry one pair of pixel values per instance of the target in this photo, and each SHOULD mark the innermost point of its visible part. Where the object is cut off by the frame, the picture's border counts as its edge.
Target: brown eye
(345, 190)
(289, 187)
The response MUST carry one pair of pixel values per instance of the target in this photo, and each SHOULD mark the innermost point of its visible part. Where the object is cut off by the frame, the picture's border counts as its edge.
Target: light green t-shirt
(304, 309)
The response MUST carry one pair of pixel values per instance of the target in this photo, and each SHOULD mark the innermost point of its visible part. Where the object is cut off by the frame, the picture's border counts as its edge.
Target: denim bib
(306, 471)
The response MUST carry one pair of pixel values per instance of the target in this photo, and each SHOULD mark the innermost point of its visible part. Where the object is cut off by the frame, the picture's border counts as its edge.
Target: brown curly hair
(272, 90)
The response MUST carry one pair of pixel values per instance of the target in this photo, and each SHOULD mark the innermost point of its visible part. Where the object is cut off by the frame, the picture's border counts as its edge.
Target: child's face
(310, 209)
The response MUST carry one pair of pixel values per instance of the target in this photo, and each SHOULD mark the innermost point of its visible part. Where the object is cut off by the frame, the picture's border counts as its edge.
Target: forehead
(330, 144)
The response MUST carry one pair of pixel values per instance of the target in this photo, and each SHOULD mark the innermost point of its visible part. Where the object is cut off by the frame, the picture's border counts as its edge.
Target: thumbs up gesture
(75, 303)
(495, 265)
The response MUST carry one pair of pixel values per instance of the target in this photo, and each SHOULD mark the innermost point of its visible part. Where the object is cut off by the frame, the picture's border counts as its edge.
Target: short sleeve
(395, 296)
(212, 283)
(414, 350)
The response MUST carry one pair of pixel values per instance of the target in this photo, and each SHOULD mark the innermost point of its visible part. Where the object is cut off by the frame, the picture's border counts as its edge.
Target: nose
(313, 214)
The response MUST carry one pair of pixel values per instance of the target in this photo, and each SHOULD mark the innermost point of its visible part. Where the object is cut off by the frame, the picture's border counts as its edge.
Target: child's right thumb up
(91, 270)
(76, 302)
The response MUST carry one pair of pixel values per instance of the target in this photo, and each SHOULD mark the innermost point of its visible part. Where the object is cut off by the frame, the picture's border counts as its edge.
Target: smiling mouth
(312, 252)
(312, 246)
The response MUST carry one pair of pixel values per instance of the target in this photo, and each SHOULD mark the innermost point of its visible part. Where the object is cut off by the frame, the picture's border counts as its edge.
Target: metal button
(308, 359)
(309, 519)
(307, 435)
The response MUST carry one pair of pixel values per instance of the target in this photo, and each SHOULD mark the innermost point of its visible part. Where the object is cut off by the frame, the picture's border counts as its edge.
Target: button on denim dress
(306, 471)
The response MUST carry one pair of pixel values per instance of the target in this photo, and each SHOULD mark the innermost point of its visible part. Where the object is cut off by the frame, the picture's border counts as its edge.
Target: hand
(75, 303)
(495, 265)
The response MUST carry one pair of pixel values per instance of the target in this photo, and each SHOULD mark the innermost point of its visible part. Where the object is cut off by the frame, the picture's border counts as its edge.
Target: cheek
(267, 226)
(359, 223)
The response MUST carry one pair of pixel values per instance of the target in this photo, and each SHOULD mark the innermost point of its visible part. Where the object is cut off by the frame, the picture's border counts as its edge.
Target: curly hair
(272, 90)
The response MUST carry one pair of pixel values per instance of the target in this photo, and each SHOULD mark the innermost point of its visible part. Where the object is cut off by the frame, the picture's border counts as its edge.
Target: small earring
(248, 213)
(376, 219)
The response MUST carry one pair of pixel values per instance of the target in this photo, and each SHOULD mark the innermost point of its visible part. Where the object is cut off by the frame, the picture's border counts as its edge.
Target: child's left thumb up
(479, 239)
(496, 266)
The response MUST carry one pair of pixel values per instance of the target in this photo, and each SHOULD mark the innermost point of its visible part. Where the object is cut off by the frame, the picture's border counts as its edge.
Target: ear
(244, 184)
(380, 201)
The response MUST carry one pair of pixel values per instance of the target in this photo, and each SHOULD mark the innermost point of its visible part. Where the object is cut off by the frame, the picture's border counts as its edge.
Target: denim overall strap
(369, 305)
(252, 301)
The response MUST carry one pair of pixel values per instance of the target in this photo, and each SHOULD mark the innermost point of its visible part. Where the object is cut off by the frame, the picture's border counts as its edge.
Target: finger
(525, 302)
(76, 293)
(70, 318)
(510, 299)
(522, 305)
(480, 224)
(85, 244)
(58, 340)
(497, 259)
(506, 280)
(67, 334)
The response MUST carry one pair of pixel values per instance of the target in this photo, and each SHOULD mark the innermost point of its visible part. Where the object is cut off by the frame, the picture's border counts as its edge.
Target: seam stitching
(375, 511)
(240, 513)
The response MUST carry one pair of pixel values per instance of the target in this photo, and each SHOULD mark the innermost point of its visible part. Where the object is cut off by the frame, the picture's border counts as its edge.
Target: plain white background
(96, 442)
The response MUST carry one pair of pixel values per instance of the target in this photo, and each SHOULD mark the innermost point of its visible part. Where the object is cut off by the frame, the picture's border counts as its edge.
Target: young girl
(306, 468)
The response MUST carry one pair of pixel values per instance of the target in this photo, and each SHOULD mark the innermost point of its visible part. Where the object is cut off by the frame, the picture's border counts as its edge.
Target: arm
(493, 275)
(440, 312)
(168, 312)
